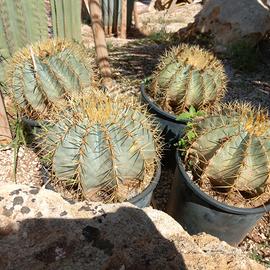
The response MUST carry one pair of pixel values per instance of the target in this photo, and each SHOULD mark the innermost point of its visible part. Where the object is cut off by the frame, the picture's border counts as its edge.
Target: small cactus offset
(105, 147)
(231, 150)
(188, 76)
(45, 74)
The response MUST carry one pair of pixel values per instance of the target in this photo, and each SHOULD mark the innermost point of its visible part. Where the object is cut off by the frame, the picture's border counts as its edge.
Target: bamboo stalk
(5, 132)
(100, 42)
(123, 31)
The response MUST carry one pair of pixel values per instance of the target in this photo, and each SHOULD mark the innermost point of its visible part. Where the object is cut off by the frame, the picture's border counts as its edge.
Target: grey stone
(231, 21)
(96, 236)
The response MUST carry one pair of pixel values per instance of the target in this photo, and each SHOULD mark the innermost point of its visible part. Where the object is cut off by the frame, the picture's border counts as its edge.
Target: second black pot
(197, 212)
(171, 128)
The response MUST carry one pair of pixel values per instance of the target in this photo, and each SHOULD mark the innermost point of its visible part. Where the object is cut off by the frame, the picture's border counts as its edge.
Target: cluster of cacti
(188, 76)
(102, 145)
(21, 22)
(107, 147)
(43, 75)
(66, 19)
(232, 150)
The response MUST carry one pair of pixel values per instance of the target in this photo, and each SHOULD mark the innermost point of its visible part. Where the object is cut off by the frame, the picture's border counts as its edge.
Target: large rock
(40, 230)
(164, 21)
(231, 21)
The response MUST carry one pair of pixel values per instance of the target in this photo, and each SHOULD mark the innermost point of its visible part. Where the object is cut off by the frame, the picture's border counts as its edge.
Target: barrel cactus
(107, 148)
(46, 73)
(231, 151)
(188, 76)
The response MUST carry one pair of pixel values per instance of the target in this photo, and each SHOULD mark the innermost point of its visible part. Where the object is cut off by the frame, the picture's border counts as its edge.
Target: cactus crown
(105, 146)
(231, 150)
(47, 73)
(188, 76)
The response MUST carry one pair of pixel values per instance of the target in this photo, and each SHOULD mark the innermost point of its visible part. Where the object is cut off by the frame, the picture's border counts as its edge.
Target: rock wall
(40, 230)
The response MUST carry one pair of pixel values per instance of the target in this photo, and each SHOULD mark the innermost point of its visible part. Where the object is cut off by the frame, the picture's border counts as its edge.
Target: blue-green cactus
(103, 145)
(231, 150)
(188, 76)
(45, 74)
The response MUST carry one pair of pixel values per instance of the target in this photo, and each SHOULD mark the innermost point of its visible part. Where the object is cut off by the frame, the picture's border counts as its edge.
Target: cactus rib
(44, 75)
(188, 76)
(231, 150)
(103, 143)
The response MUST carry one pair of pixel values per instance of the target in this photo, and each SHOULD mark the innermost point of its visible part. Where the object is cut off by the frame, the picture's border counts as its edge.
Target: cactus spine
(106, 146)
(45, 74)
(188, 76)
(232, 149)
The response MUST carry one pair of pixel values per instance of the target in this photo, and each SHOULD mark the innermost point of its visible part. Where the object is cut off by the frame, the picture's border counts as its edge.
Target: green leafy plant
(18, 141)
(103, 147)
(186, 140)
(42, 77)
(188, 76)
(192, 113)
(21, 137)
(190, 135)
(230, 150)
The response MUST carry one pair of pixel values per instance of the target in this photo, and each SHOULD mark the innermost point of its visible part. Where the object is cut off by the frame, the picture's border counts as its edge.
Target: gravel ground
(28, 167)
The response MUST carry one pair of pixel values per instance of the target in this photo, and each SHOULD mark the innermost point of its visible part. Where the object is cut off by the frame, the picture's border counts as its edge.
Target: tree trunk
(100, 42)
(5, 133)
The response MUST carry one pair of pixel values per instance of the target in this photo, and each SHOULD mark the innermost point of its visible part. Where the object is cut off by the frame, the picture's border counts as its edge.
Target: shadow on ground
(126, 239)
(136, 59)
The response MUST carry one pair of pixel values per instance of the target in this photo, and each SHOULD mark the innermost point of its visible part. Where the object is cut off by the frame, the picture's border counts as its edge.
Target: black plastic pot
(197, 212)
(141, 200)
(171, 128)
(144, 199)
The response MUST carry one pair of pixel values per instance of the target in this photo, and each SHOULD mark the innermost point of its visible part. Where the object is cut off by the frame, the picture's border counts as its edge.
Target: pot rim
(149, 188)
(212, 201)
(157, 110)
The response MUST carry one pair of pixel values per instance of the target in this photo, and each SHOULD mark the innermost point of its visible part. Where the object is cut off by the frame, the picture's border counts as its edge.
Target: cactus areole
(47, 73)
(188, 76)
(105, 147)
(231, 151)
